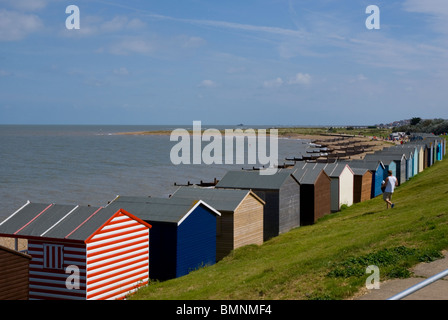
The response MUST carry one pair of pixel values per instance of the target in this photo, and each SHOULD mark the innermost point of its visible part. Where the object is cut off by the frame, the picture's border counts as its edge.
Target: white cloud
(361, 77)
(120, 23)
(191, 42)
(16, 26)
(208, 84)
(95, 25)
(121, 71)
(130, 46)
(437, 9)
(26, 5)
(273, 83)
(300, 78)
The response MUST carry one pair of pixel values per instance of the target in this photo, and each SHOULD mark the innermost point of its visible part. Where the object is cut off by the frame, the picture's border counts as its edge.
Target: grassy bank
(328, 260)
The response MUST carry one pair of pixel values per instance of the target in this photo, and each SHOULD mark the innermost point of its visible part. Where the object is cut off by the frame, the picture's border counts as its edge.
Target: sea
(92, 164)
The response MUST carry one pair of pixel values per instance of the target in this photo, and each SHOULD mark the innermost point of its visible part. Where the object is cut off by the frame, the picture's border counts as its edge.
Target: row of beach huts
(85, 252)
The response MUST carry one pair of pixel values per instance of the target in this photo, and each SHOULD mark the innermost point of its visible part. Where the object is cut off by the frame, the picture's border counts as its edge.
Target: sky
(256, 62)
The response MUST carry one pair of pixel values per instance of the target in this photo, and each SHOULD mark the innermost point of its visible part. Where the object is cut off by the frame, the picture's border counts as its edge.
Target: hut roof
(359, 171)
(253, 180)
(368, 164)
(385, 156)
(220, 199)
(160, 209)
(334, 169)
(15, 252)
(307, 175)
(57, 221)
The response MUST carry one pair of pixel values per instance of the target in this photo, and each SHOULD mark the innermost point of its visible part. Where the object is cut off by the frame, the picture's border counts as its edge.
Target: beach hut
(420, 154)
(280, 192)
(388, 162)
(241, 220)
(14, 272)
(183, 233)
(444, 147)
(362, 184)
(439, 150)
(412, 149)
(425, 155)
(377, 168)
(341, 182)
(392, 160)
(315, 193)
(410, 164)
(81, 252)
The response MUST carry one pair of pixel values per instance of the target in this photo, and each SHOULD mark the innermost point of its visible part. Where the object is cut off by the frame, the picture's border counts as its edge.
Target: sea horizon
(92, 164)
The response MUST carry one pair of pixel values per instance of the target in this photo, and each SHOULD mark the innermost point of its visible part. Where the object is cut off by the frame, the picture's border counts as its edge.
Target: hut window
(53, 256)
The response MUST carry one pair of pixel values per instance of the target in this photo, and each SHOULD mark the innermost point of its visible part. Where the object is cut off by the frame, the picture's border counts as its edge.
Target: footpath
(437, 290)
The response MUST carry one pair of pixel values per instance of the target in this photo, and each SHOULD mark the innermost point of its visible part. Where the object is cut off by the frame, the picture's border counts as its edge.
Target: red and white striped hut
(81, 252)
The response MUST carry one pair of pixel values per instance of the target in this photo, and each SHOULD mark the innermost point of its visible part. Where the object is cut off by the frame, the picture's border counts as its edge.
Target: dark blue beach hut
(378, 170)
(183, 234)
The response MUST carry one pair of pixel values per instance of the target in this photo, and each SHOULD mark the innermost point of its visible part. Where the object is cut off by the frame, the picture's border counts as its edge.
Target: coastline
(297, 136)
(339, 145)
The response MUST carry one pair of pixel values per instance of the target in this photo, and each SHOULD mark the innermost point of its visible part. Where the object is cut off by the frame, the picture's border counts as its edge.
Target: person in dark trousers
(389, 184)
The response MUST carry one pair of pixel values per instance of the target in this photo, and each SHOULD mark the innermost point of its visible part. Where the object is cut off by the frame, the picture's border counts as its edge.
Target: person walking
(390, 183)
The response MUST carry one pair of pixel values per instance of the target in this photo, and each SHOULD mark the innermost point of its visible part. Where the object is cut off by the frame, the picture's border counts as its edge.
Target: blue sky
(279, 62)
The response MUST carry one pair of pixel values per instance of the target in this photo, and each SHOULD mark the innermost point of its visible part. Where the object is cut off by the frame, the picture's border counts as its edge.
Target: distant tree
(415, 121)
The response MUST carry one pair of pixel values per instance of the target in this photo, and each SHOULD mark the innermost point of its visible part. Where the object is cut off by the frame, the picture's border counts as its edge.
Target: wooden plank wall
(224, 234)
(14, 269)
(289, 202)
(270, 212)
(248, 222)
(322, 197)
(362, 187)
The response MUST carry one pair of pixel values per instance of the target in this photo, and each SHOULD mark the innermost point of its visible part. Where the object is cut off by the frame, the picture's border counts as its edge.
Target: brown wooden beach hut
(14, 270)
(315, 194)
(362, 184)
(280, 192)
(341, 182)
(241, 220)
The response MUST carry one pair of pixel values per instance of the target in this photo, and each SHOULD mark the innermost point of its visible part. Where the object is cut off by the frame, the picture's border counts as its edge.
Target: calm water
(91, 164)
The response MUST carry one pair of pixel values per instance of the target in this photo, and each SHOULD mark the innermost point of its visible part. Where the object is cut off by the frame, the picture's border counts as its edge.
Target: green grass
(328, 260)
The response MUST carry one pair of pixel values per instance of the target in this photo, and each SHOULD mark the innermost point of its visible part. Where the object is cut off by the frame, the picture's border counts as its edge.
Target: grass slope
(328, 260)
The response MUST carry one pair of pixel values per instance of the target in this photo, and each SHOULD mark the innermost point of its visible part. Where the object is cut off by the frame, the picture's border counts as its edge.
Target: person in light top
(390, 183)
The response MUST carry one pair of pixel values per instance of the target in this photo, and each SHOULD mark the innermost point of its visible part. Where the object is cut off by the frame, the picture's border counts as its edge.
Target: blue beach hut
(412, 149)
(388, 161)
(412, 152)
(183, 234)
(400, 163)
(439, 150)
